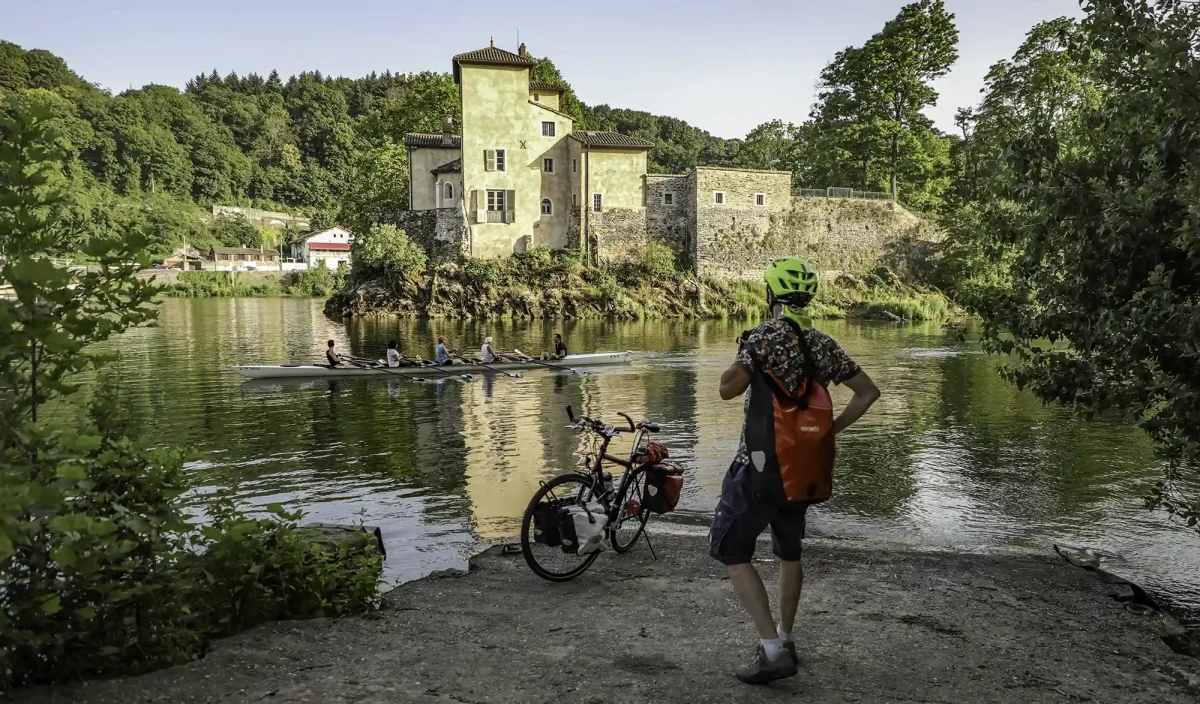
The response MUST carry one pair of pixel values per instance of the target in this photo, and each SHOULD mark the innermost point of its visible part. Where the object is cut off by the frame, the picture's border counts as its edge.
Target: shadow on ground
(875, 625)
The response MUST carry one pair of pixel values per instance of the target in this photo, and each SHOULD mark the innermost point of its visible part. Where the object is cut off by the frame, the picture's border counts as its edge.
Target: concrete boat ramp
(875, 625)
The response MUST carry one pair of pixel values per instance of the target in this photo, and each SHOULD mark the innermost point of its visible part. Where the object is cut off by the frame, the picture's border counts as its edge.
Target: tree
(378, 187)
(871, 98)
(771, 145)
(1103, 307)
(385, 254)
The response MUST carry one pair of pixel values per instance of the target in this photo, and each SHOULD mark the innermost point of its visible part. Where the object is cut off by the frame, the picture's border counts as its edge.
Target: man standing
(791, 355)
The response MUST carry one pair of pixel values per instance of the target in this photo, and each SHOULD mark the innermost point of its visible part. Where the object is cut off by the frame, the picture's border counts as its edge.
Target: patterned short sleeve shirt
(775, 346)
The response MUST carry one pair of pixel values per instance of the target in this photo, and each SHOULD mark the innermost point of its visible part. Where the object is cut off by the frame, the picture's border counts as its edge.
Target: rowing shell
(290, 371)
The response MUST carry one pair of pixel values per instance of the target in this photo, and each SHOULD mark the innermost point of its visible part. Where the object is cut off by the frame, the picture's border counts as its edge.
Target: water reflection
(951, 455)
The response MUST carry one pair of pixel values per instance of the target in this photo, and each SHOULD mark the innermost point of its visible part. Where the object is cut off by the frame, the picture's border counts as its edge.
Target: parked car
(159, 266)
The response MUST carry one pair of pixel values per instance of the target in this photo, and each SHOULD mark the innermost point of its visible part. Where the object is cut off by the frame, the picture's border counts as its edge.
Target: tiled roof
(548, 87)
(451, 167)
(492, 55)
(431, 141)
(611, 139)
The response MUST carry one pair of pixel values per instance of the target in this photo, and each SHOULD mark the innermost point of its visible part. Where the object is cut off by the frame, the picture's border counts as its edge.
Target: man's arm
(734, 382)
(865, 394)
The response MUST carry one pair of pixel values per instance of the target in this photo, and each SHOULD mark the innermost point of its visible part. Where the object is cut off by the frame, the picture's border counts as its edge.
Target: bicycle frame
(597, 473)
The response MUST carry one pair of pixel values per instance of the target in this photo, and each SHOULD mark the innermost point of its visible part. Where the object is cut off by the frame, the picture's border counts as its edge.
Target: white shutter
(489, 159)
(510, 204)
(477, 206)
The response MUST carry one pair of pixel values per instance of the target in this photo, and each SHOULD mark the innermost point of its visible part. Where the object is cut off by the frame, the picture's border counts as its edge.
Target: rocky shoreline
(876, 624)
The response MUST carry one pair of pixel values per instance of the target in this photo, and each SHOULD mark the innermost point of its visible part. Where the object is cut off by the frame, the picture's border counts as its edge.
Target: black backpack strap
(810, 368)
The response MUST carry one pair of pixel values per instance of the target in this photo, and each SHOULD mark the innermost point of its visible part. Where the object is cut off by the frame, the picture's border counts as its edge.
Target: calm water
(950, 456)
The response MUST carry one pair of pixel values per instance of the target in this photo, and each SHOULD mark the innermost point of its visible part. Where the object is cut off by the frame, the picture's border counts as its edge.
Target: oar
(485, 365)
(433, 366)
(557, 367)
(370, 364)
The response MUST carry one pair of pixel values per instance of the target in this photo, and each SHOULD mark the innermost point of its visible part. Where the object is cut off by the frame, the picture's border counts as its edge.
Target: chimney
(492, 42)
(447, 130)
(521, 52)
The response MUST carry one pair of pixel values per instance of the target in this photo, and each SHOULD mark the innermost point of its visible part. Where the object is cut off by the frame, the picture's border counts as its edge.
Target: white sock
(773, 647)
(783, 635)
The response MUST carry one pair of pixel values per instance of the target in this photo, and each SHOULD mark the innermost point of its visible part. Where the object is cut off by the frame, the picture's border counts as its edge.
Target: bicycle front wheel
(550, 562)
(631, 517)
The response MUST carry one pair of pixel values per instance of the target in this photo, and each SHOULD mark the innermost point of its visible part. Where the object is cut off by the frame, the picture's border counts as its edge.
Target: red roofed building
(328, 248)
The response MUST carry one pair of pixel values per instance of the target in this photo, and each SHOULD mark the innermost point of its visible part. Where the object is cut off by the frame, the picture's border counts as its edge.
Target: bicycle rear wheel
(551, 563)
(629, 526)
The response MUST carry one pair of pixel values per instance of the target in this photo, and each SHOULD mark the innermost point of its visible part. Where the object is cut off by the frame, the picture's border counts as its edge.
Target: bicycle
(621, 504)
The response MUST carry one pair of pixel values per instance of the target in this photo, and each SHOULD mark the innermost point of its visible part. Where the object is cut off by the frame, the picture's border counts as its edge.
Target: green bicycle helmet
(793, 282)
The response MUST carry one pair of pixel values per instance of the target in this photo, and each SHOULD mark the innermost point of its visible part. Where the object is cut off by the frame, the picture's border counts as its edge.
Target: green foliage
(101, 569)
(1085, 225)
(386, 255)
(317, 282)
(869, 131)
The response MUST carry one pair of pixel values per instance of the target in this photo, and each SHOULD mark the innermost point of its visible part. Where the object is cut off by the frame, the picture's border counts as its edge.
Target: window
(449, 191)
(547, 129)
(494, 159)
(760, 198)
(719, 197)
(548, 165)
(574, 166)
(495, 200)
(597, 202)
(668, 198)
(547, 207)
(575, 199)
(537, 99)
(498, 202)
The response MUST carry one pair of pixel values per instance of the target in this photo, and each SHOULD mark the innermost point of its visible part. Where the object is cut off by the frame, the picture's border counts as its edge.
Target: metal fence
(842, 193)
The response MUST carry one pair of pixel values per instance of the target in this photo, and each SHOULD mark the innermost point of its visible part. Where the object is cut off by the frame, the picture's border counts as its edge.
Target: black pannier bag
(546, 525)
(664, 483)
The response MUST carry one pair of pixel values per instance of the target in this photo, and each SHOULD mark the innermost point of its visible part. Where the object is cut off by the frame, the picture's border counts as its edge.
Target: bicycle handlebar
(584, 421)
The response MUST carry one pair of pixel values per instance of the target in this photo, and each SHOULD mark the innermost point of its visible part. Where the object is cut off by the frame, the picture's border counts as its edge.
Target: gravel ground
(875, 625)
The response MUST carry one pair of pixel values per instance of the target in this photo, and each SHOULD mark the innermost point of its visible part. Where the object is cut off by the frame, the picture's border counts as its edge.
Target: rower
(332, 357)
(393, 353)
(560, 348)
(441, 354)
(489, 355)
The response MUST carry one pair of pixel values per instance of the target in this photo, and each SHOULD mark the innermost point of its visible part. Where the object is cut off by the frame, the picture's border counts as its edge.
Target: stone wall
(618, 233)
(669, 223)
(442, 232)
(835, 234)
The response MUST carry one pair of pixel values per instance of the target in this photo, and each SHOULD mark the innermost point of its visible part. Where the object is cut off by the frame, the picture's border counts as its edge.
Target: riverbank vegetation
(397, 279)
(318, 282)
(108, 563)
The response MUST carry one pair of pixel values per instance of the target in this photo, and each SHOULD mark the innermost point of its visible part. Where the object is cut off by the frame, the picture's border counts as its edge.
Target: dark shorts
(742, 515)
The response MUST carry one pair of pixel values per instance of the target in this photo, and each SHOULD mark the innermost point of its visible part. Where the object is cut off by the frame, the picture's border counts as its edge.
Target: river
(950, 457)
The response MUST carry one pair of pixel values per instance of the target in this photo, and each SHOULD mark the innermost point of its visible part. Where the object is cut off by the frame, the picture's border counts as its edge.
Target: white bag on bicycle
(582, 530)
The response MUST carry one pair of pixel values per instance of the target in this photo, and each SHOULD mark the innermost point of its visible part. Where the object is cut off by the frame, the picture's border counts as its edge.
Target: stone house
(520, 176)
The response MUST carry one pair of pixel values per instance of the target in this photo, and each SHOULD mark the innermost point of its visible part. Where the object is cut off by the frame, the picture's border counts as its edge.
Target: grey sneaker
(760, 670)
(790, 646)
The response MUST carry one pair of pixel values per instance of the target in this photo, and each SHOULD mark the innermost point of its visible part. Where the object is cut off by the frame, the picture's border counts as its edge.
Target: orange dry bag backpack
(790, 435)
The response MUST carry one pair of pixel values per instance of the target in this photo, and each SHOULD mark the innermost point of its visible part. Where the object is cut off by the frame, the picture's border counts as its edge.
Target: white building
(327, 248)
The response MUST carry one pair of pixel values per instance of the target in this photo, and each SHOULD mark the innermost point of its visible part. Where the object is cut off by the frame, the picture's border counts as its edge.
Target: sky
(722, 66)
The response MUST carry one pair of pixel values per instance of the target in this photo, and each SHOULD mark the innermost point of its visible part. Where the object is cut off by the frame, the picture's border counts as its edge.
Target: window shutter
(510, 203)
(477, 206)
(489, 159)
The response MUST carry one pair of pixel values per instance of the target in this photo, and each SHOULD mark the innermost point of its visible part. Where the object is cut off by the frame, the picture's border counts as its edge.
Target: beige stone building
(519, 173)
